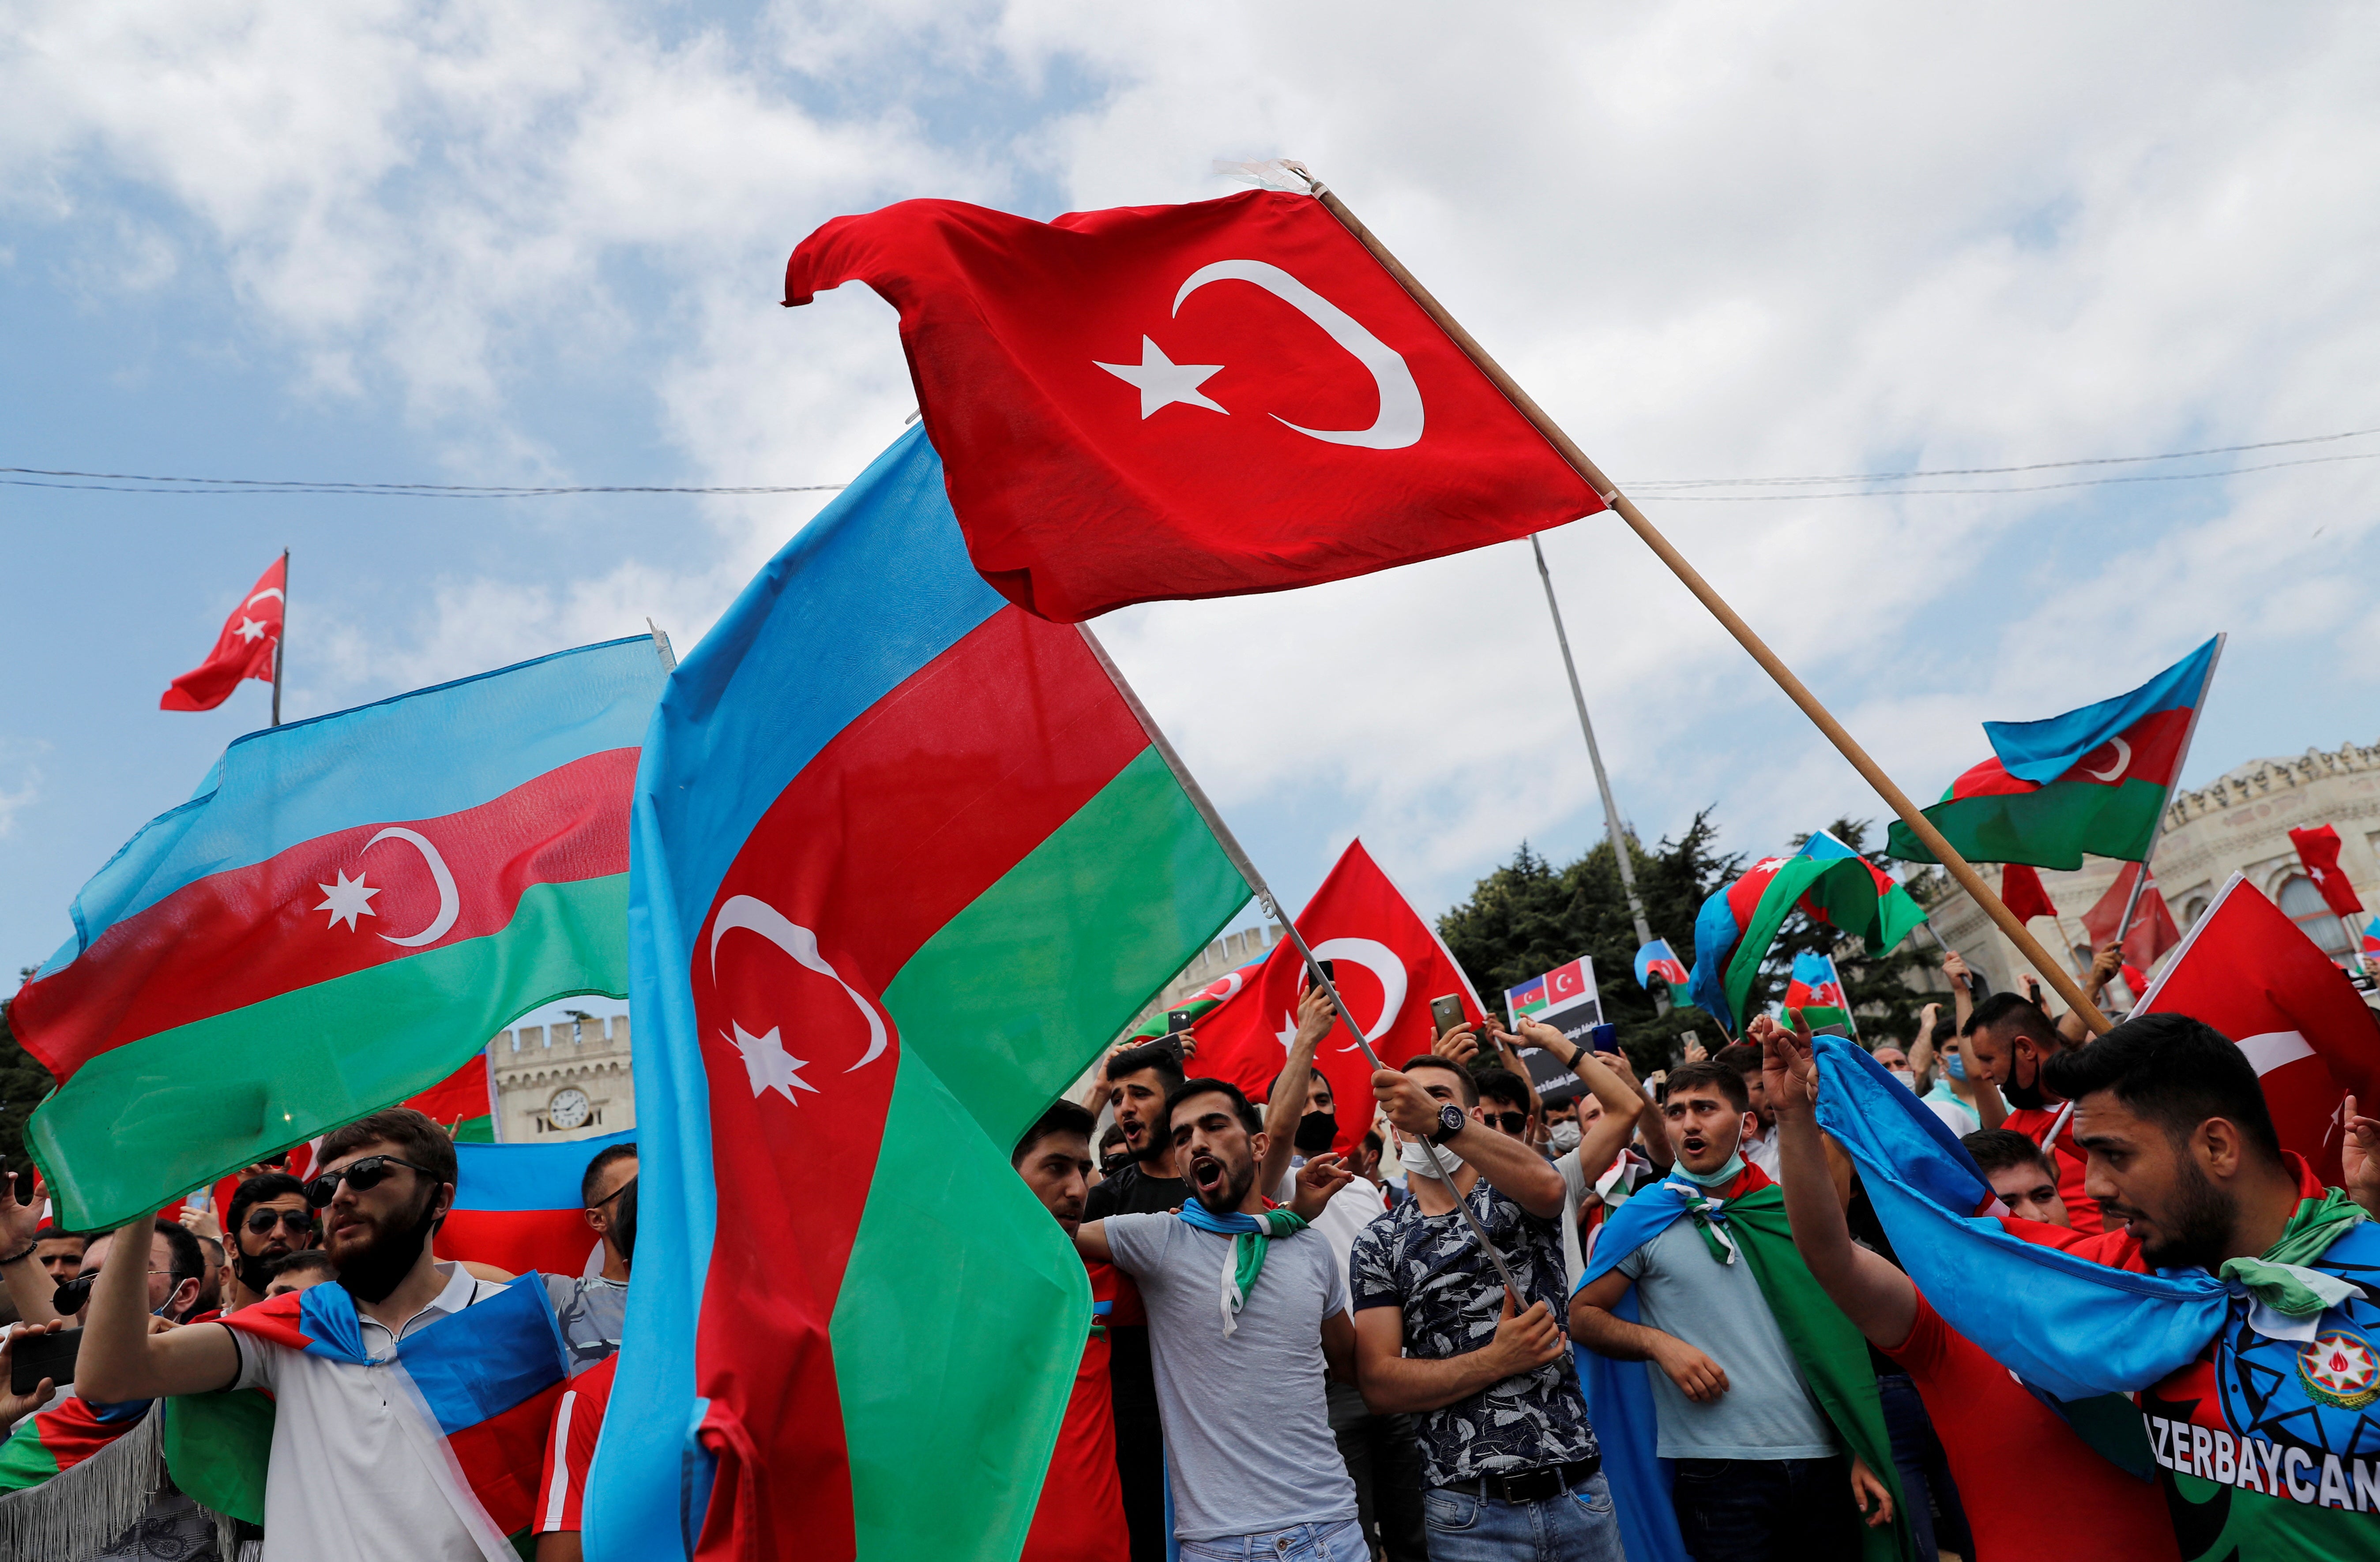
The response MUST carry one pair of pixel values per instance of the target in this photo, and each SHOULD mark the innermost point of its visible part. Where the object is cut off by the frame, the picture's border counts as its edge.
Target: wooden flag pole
(1922, 826)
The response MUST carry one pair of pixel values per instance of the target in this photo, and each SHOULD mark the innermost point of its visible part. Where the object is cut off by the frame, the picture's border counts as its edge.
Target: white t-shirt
(1762, 1152)
(354, 1476)
(1351, 1209)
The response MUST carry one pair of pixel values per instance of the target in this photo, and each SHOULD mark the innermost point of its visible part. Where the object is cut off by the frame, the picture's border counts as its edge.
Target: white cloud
(1809, 239)
(21, 783)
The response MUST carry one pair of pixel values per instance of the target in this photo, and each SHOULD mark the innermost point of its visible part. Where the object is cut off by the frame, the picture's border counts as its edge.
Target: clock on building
(568, 1108)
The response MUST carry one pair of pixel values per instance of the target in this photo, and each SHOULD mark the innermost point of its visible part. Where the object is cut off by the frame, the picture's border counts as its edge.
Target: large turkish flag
(2249, 971)
(1388, 963)
(1188, 401)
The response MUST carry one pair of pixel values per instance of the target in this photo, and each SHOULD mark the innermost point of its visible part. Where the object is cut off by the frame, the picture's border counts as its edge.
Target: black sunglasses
(363, 1175)
(262, 1220)
(1514, 1123)
(70, 1296)
(610, 1196)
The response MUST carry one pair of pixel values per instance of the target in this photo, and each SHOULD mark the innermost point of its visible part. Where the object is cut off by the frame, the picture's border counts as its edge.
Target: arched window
(2303, 905)
(2191, 912)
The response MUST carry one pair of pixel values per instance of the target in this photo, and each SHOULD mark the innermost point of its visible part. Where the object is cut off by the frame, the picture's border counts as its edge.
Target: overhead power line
(1765, 489)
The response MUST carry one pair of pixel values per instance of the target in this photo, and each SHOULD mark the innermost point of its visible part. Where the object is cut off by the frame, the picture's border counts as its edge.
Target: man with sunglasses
(267, 1220)
(598, 1304)
(355, 1472)
(1512, 1466)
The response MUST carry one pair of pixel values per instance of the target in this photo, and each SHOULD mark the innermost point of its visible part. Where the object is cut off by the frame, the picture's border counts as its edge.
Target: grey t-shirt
(589, 1312)
(1766, 1412)
(1247, 1432)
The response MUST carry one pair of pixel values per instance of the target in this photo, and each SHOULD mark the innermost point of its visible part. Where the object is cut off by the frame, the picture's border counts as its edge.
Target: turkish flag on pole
(2318, 849)
(2021, 893)
(1188, 401)
(1387, 962)
(244, 649)
(2252, 974)
(2152, 932)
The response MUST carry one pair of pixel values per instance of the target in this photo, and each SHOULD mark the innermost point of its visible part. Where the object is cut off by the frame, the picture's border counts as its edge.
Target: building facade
(556, 1082)
(2239, 823)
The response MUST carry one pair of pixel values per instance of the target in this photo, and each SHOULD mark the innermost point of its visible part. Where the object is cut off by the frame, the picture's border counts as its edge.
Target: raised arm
(1872, 1293)
(1513, 1169)
(1963, 994)
(1315, 1017)
(1614, 1086)
(1921, 1049)
(120, 1359)
(1594, 1324)
(1395, 1384)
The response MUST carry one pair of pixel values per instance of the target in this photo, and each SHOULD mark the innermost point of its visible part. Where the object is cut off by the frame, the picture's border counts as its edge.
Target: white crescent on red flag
(2252, 974)
(1386, 962)
(245, 649)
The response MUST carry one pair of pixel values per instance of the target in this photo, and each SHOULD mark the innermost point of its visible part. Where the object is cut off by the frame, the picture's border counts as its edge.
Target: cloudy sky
(511, 243)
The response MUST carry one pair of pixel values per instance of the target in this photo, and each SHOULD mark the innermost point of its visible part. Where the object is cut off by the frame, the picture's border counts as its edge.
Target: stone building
(564, 1082)
(2238, 823)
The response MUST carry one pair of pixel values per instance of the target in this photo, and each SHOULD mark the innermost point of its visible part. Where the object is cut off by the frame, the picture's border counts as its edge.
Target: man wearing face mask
(2009, 1039)
(1765, 1400)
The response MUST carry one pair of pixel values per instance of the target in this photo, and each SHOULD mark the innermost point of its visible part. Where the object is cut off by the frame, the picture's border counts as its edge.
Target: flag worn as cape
(1188, 401)
(1826, 880)
(477, 1389)
(516, 1206)
(348, 910)
(2092, 780)
(249, 640)
(1388, 962)
(907, 860)
(1827, 1346)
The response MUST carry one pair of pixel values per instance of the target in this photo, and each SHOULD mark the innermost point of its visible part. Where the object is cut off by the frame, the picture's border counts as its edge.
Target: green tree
(23, 1083)
(1883, 1001)
(1529, 917)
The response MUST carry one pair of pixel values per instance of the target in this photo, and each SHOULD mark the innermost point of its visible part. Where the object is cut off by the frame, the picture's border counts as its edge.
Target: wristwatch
(1450, 1119)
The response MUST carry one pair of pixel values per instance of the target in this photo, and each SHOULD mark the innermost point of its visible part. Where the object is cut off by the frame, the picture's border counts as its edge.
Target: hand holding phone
(1446, 1014)
(41, 1354)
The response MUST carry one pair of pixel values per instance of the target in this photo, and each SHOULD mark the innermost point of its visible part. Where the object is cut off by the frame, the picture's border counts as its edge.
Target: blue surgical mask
(1719, 1179)
(1954, 1064)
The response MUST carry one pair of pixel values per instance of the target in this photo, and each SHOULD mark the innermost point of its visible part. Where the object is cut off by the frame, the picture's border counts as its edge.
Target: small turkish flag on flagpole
(2022, 891)
(2153, 931)
(2254, 975)
(1388, 963)
(1168, 402)
(247, 647)
(2318, 849)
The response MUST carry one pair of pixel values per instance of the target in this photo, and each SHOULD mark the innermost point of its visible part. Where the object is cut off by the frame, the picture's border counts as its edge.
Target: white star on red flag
(347, 900)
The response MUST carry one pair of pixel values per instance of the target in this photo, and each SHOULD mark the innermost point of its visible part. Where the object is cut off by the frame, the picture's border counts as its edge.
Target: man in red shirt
(1080, 1516)
(577, 1422)
(2073, 1502)
(2009, 1038)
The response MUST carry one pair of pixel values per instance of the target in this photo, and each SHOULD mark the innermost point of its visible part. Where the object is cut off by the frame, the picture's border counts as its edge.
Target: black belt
(1538, 1484)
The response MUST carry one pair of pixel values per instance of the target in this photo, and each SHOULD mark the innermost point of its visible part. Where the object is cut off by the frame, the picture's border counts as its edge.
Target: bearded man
(357, 1470)
(267, 1220)
(1246, 1307)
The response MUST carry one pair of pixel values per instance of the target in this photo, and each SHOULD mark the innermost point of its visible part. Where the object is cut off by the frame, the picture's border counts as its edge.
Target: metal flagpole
(1595, 757)
(1255, 881)
(2157, 830)
(280, 641)
(1795, 690)
(661, 646)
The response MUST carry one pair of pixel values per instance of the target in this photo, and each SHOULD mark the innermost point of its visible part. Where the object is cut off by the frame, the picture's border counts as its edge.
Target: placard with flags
(1564, 997)
(2253, 974)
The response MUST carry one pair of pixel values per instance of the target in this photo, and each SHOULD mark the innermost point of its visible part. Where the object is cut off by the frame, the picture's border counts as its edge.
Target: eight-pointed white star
(349, 899)
(1162, 382)
(251, 630)
(768, 1064)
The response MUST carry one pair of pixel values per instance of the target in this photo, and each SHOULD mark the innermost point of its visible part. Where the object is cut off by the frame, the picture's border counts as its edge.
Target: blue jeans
(1578, 1526)
(1925, 1482)
(1766, 1509)
(1341, 1542)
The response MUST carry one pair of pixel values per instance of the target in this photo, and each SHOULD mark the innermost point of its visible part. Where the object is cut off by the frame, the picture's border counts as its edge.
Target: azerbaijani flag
(1816, 989)
(1527, 999)
(2093, 780)
(51, 1441)
(517, 1207)
(463, 1102)
(347, 910)
(1198, 1004)
(1656, 960)
(1826, 880)
(907, 859)
(479, 1385)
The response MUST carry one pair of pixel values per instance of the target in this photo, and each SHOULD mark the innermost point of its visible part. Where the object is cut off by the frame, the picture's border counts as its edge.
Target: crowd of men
(1416, 1346)
(1428, 1379)
(219, 1306)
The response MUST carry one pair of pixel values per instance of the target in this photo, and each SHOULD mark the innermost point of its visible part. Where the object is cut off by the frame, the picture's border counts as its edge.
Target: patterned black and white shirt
(1430, 1267)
